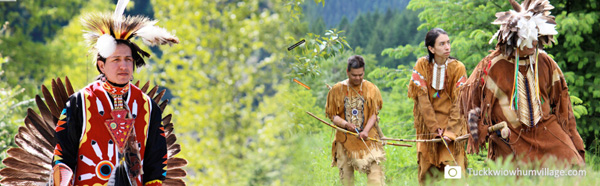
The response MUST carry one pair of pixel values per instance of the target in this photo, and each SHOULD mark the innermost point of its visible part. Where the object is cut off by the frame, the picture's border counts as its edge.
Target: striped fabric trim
(418, 80)
(154, 182)
(461, 81)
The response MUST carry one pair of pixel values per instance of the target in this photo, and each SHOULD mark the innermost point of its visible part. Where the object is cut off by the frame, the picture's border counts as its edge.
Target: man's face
(118, 67)
(441, 48)
(527, 51)
(355, 75)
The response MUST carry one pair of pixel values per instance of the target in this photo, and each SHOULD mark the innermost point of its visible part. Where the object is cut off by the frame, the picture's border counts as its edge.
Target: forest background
(238, 114)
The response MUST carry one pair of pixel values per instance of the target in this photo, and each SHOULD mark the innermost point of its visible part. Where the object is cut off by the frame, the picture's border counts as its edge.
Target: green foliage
(467, 23)
(404, 50)
(12, 111)
(578, 109)
(317, 27)
(30, 25)
(226, 77)
(372, 25)
(392, 29)
(398, 107)
(294, 7)
(316, 48)
(578, 57)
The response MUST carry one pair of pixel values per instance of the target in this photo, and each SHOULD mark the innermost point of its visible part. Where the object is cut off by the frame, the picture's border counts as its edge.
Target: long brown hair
(430, 38)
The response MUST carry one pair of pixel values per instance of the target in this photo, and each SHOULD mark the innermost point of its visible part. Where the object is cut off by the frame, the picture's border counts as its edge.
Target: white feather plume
(544, 27)
(529, 21)
(120, 9)
(494, 37)
(154, 35)
(106, 45)
(527, 33)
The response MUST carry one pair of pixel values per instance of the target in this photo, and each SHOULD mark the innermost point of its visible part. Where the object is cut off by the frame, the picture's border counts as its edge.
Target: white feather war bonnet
(530, 21)
(105, 31)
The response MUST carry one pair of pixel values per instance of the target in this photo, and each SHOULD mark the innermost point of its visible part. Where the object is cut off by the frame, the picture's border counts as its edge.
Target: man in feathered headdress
(521, 85)
(110, 131)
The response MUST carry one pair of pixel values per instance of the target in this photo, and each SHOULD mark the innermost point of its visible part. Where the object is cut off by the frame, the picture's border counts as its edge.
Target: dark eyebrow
(120, 56)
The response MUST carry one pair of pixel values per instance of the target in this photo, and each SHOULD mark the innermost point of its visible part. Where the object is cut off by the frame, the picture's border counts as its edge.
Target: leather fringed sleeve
(560, 103)
(335, 102)
(470, 101)
(424, 115)
(456, 123)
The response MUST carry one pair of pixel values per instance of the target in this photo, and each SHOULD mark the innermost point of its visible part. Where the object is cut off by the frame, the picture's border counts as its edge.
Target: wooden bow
(497, 127)
(354, 134)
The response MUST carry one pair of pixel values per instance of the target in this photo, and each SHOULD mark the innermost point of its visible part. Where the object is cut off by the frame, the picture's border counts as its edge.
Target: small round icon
(452, 172)
(354, 112)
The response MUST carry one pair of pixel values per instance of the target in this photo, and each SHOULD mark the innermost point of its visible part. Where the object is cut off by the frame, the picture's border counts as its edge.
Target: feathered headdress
(530, 21)
(105, 29)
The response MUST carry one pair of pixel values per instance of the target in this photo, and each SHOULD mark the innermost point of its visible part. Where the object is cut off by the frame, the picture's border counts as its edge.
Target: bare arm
(343, 123)
(370, 123)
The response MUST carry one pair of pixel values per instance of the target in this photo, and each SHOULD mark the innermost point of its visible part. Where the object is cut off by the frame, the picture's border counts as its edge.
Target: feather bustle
(152, 91)
(173, 150)
(14, 173)
(34, 136)
(35, 121)
(176, 173)
(50, 101)
(174, 182)
(44, 110)
(22, 181)
(25, 166)
(22, 155)
(168, 129)
(159, 95)
(58, 95)
(163, 105)
(145, 87)
(63, 91)
(167, 119)
(31, 148)
(69, 86)
(174, 163)
(171, 138)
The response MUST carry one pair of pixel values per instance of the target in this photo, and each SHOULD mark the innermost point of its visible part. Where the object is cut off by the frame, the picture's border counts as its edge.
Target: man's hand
(441, 133)
(350, 126)
(363, 135)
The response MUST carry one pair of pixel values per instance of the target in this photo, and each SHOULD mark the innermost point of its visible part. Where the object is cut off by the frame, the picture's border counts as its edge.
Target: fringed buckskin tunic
(533, 135)
(432, 112)
(342, 99)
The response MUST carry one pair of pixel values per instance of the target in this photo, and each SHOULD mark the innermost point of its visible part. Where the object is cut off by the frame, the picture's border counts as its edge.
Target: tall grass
(312, 163)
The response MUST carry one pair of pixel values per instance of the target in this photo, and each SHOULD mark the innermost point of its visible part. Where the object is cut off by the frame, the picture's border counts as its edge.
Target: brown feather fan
(30, 163)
